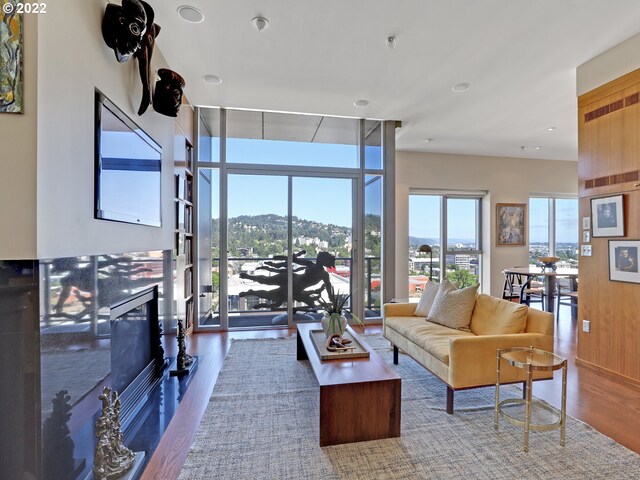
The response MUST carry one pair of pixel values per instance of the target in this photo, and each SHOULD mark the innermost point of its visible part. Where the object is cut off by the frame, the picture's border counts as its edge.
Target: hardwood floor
(609, 406)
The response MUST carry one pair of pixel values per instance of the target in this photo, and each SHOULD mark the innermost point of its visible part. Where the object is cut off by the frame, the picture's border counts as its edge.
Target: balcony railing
(372, 287)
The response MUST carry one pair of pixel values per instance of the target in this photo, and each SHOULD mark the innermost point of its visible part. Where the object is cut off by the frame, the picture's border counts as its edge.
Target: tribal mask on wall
(167, 96)
(123, 27)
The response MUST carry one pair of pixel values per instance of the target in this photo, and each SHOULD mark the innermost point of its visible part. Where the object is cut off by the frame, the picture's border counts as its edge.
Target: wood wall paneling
(609, 145)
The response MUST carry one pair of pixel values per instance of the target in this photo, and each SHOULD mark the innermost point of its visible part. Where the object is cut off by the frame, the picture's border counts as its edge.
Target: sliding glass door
(257, 250)
(289, 242)
(322, 239)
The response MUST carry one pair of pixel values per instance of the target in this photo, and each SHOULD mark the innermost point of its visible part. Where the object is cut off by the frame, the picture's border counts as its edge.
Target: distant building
(419, 263)
(463, 262)
(417, 283)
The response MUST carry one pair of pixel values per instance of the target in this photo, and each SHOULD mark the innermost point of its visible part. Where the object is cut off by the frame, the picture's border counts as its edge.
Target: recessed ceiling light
(212, 79)
(361, 103)
(190, 14)
(260, 23)
(461, 87)
(428, 140)
(551, 129)
(538, 147)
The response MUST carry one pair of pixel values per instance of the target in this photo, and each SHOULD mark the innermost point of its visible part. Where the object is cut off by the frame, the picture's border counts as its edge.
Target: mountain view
(265, 235)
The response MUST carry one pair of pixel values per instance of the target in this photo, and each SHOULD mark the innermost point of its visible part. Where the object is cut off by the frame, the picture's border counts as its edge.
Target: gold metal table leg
(527, 414)
(563, 411)
(495, 413)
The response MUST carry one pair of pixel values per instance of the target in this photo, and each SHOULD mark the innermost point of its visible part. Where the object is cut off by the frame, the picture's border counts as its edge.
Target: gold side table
(533, 360)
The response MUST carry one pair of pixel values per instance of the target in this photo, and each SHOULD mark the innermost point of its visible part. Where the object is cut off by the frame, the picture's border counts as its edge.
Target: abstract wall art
(11, 80)
(511, 223)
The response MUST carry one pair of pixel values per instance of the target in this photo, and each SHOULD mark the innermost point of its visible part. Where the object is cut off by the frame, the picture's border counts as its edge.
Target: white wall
(73, 60)
(507, 180)
(609, 65)
(18, 161)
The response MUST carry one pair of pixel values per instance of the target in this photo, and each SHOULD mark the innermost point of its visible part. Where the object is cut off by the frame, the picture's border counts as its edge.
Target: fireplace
(137, 356)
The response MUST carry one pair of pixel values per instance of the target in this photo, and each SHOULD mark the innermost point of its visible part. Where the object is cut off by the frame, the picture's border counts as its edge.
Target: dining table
(550, 276)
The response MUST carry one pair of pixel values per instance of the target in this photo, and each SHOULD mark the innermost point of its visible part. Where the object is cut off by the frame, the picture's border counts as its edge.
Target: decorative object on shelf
(11, 48)
(123, 27)
(112, 458)
(607, 216)
(549, 262)
(184, 361)
(144, 54)
(511, 224)
(623, 260)
(167, 96)
(305, 280)
(428, 249)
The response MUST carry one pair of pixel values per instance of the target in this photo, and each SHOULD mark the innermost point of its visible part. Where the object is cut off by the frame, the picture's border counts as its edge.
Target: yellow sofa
(461, 358)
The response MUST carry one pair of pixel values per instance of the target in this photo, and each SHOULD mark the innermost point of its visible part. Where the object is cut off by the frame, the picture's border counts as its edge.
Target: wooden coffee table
(359, 398)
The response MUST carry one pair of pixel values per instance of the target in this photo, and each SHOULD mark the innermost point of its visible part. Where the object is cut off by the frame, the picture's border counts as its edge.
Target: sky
(325, 200)
(330, 200)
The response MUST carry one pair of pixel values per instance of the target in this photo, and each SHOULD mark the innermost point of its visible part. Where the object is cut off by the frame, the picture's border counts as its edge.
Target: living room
(480, 109)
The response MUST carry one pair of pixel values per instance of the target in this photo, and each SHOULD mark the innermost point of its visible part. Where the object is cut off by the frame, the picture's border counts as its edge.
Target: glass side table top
(522, 357)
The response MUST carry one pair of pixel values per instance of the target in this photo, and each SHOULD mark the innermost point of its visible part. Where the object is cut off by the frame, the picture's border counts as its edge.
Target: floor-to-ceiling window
(553, 230)
(298, 208)
(444, 240)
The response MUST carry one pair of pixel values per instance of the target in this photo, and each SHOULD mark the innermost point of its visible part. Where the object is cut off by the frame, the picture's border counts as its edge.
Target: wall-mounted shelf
(183, 248)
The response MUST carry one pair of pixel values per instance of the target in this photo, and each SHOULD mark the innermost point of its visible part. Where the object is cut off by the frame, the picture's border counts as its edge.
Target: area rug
(262, 423)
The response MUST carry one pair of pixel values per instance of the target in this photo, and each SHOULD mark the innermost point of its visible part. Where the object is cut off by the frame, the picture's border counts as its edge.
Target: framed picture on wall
(607, 216)
(623, 260)
(511, 224)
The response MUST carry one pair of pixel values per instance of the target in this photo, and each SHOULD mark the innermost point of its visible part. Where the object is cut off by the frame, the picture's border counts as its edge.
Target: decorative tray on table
(356, 349)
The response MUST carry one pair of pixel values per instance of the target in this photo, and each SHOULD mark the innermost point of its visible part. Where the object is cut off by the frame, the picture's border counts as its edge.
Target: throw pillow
(453, 307)
(426, 299)
(494, 316)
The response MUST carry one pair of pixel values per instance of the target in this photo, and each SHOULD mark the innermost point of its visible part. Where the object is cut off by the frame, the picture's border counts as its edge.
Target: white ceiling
(319, 57)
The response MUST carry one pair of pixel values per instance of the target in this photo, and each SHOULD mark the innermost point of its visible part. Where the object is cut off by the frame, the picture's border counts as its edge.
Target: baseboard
(607, 372)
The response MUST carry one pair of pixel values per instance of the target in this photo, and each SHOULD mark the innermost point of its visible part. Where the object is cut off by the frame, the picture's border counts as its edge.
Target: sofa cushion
(426, 299)
(452, 307)
(494, 316)
(434, 339)
(405, 326)
(431, 337)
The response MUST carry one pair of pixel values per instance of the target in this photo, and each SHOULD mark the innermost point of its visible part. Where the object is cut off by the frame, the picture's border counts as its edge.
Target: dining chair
(565, 295)
(512, 286)
(532, 292)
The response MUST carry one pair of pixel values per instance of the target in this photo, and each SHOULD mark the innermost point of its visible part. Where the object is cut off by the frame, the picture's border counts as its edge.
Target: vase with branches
(334, 321)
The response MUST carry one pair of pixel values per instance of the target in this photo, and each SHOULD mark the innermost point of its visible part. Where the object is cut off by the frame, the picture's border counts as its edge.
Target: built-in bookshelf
(183, 248)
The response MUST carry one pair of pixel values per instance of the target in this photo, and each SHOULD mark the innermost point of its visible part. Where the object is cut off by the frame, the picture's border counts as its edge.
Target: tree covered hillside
(265, 235)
